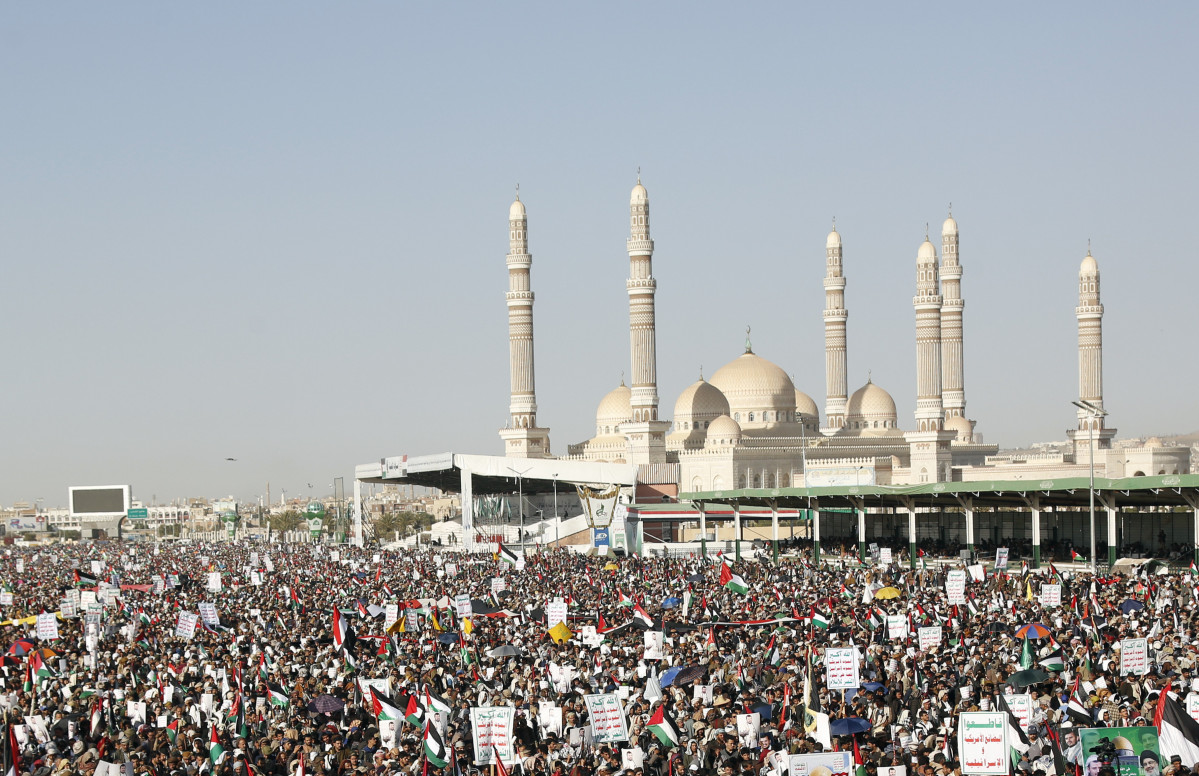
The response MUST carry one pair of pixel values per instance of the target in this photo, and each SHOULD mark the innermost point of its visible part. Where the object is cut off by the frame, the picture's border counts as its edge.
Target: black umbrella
(326, 704)
(997, 627)
(689, 675)
(696, 578)
(1027, 677)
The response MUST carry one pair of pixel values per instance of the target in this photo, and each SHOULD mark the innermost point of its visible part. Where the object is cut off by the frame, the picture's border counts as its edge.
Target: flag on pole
(506, 555)
(415, 712)
(1026, 657)
(662, 726)
(435, 751)
(278, 696)
(819, 619)
(384, 707)
(1074, 556)
(499, 764)
(641, 618)
(1054, 661)
(339, 629)
(732, 581)
(216, 752)
(1177, 732)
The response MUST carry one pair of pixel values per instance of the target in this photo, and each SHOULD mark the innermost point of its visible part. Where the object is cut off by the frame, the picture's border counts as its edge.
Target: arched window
(751, 417)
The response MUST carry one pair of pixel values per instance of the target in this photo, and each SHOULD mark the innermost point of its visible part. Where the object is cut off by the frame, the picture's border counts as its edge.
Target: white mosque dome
(752, 385)
(949, 227)
(805, 405)
(1089, 265)
(834, 239)
(927, 251)
(961, 427)
(639, 196)
(724, 430)
(701, 401)
(517, 210)
(615, 408)
(870, 408)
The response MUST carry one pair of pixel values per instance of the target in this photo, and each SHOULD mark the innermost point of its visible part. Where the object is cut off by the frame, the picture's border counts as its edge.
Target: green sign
(138, 514)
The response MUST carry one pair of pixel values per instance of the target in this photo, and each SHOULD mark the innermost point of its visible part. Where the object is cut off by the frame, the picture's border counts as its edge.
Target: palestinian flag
(859, 765)
(732, 581)
(435, 703)
(1053, 661)
(339, 629)
(772, 653)
(384, 707)
(1193, 569)
(1015, 734)
(415, 711)
(506, 555)
(641, 619)
(85, 580)
(28, 686)
(12, 752)
(664, 728)
(873, 621)
(435, 751)
(819, 619)
(278, 695)
(41, 668)
(142, 617)
(622, 599)
(216, 752)
(173, 730)
(499, 764)
(1177, 733)
(1074, 556)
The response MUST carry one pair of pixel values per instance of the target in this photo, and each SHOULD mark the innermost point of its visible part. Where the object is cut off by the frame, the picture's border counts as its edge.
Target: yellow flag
(560, 633)
(468, 627)
(433, 620)
(1028, 594)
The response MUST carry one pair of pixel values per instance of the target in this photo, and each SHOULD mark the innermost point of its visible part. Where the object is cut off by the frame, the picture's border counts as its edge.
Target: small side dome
(701, 401)
(517, 210)
(806, 406)
(927, 251)
(724, 427)
(961, 427)
(949, 227)
(871, 411)
(616, 407)
(1089, 266)
(639, 196)
(834, 239)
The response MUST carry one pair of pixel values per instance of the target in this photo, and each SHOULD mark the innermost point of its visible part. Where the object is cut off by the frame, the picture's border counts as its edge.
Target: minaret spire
(953, 390)
(522, 438)
(836, 386)
(1090, 359)
(929, 443)
(646, 434)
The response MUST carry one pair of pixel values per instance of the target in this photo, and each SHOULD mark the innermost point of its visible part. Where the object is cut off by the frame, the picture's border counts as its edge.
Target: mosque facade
(748, 426)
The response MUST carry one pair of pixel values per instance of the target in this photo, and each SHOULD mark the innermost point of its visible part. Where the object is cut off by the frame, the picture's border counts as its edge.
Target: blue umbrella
(667, 676)
(671, 602)
(847, 727)
(448, 638)
(873, 686)
(1131, 605)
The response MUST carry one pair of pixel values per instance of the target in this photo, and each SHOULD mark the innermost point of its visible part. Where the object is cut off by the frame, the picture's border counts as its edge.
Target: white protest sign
(47, 626)
(1134, 657)
(555, 612)
(654, 645)
(929, 637)
(208, 613)
(955, 586)
(391, 613)
(462, 606)
(1001, 555)
(498, 584)
(254, 559)
(632, 759)
(6, 598)
(982, 742)
(748, 726)
(451, 569)
(977, 572)
(1051, 595)
(69, 608)
(255, 578)
(830, 762)
(1193, 706)
(97, 568)
(607, 718)
(549, 719)
(897, 626)
(185, 626)
(214, 581)
(1021, 706)
(884, 556)
(491, 727)
(841, 668)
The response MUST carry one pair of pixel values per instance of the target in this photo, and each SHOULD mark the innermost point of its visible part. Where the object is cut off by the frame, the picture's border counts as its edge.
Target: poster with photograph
(1130, 748)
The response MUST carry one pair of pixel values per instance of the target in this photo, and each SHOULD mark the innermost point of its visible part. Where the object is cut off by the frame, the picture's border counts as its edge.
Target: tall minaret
(646, 434)
(523, 438)
(836, 390)
(929, 443)
(1090, 361)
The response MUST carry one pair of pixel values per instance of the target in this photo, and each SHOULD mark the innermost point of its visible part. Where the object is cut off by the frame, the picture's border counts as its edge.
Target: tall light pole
(557, 517)
(520, 501)
(1093, 412)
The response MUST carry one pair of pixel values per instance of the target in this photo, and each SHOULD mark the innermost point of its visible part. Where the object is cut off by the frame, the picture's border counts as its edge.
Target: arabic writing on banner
(841, 668)
(47, 626)
(1193, 706)
(185, 626)
(1051, 595)
(491, 727)
(929, 637)
(208, 613)
(463, 608)
(1001, 555)
(835, 762)
(607, 718)
(982, 742)
(897, 626)
(555, 612)
(1134, 657)
(884, 556)
(955, 586)
(1021, 706)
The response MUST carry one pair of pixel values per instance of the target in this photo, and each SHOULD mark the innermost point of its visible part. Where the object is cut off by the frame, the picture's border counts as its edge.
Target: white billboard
(99, 501)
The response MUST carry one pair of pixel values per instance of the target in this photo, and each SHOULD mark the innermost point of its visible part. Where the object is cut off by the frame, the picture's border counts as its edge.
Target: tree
(290, 520)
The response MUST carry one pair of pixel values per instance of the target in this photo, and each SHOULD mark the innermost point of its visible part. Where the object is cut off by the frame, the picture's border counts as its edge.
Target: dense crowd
(304, 668)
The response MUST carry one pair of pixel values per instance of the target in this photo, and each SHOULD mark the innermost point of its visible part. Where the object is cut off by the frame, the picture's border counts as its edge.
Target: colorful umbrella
(887, 593)
(1034, 630)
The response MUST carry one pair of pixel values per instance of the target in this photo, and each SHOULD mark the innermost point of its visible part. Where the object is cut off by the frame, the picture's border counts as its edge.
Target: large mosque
(748, 426)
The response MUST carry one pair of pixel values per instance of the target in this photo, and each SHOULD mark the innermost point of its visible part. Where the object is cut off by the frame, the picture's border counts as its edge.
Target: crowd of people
(337, 660)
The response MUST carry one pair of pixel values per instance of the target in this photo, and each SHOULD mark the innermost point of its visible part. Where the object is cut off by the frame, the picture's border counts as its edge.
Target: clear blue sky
(276, 231)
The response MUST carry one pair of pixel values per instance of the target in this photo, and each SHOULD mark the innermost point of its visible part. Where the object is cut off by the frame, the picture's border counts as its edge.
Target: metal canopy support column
(860, 507)
(968, 508)
(910, 506)
(816, 535)
(1193, 500)
(774, 529)
(468, 510)
(703, 530)
(1109, 503)
(357, 512)
(737, 530)
(1034, 505)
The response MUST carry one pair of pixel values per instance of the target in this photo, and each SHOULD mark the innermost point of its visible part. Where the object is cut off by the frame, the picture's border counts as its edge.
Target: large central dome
(756, 389)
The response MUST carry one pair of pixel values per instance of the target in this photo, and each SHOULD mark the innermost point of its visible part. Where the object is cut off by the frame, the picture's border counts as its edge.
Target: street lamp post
(557, 517)
(520, 501)
(1093, 413)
